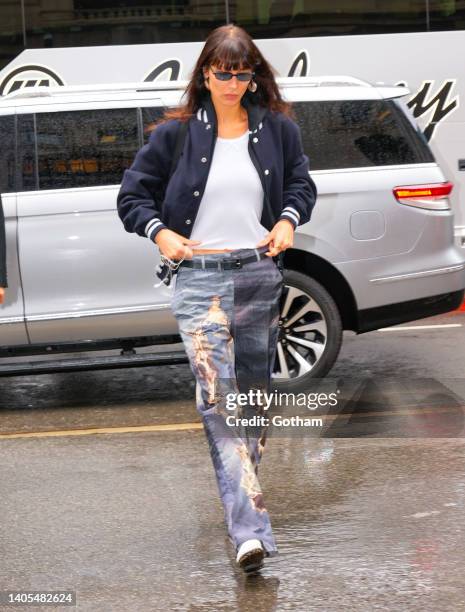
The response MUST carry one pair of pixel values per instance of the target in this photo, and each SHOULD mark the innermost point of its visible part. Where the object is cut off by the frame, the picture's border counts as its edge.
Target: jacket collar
(256, 113)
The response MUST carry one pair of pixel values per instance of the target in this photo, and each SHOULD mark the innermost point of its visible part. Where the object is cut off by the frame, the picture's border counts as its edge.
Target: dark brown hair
(231, 48)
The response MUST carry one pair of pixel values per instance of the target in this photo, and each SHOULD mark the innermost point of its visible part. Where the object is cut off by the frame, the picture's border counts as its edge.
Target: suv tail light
(433, 196)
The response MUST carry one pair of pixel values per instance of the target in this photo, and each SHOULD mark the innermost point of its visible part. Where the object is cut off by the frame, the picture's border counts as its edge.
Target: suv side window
(76, 148)
(85, 148)
(7, 154)
(27, 162)
(358, 133)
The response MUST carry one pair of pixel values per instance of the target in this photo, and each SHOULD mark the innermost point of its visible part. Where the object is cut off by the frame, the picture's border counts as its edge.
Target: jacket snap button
(188, 221)
(255, 139)
(204, 159)
(267, 171)
(196, 193)
(208, 127)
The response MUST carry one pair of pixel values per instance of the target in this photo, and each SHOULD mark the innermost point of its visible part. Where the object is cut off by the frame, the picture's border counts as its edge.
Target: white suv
(379, 249)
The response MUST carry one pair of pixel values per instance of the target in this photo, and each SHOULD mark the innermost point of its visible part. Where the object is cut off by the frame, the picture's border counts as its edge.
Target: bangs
(232, 54)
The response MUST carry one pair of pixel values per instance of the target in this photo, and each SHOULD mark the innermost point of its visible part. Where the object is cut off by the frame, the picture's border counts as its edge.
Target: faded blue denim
(228, 321)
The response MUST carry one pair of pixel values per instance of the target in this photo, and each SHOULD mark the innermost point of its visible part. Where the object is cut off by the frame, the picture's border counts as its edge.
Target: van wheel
(310, 333)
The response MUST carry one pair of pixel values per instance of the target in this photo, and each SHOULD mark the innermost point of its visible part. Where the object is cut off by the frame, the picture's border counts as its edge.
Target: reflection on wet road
(133, 522)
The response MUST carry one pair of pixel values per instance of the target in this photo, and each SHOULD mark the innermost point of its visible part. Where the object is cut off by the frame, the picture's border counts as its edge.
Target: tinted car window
(27, 162)
(85, 148)
(359, 133)
(7, 154)
(149, 116)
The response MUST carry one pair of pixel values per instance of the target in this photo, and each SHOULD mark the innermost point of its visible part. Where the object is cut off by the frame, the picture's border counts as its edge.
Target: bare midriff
(202, 251)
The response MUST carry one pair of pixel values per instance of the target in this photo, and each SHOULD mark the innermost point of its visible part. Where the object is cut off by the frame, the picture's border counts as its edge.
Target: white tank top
(231, 206)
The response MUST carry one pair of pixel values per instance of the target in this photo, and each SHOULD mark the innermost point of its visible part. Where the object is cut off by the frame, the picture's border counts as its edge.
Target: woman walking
(221, 221)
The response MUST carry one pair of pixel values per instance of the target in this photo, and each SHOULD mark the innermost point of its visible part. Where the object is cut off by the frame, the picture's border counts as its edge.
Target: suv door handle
(461, 164)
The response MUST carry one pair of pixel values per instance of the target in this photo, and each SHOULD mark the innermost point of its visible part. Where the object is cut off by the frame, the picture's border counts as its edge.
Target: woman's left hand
(279, 239)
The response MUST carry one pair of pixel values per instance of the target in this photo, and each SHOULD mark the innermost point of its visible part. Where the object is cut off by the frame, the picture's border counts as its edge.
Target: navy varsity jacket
(148, 202)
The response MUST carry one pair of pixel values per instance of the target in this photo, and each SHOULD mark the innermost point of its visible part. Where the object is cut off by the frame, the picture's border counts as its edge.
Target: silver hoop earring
(205, 82)
(252, 86)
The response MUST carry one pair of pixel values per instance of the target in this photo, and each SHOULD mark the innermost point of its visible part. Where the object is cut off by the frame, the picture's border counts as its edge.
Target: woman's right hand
(2, 295)
(174, 245)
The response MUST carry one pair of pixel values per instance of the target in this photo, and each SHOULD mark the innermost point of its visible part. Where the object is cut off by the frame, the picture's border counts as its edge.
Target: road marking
(420, 327)
(99, 430)
(196, 426)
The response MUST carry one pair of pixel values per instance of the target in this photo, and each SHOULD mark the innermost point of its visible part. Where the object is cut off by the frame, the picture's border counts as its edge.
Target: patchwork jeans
(228, 321)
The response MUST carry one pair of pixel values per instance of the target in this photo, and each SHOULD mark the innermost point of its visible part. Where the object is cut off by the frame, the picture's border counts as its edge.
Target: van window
(359, 133)
(7, 154)
(85, 148)
(149, 116)
(27, 162)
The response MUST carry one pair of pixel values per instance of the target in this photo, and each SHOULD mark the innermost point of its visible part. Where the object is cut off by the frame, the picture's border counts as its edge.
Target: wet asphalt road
(367, 516)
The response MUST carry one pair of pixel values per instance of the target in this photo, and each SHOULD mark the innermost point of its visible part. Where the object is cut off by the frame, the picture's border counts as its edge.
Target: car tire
(311, 343)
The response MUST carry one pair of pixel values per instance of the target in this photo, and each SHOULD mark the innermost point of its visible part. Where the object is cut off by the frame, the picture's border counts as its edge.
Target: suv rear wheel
(310, 333)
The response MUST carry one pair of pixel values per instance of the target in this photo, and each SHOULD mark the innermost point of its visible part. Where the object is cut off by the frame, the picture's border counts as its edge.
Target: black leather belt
(222, 264)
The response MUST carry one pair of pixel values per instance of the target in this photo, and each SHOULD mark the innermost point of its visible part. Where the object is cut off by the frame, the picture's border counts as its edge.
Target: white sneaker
(250, 555)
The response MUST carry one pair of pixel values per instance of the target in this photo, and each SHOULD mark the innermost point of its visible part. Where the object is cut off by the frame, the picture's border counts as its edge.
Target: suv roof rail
(35, 92)
(319, 81)
(96, 88)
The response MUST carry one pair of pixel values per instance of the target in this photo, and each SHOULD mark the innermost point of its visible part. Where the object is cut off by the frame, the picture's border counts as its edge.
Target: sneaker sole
(252, 561)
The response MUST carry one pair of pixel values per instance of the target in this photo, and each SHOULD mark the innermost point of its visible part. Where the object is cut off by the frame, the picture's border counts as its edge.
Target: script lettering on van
(172, 65)
(437, 103)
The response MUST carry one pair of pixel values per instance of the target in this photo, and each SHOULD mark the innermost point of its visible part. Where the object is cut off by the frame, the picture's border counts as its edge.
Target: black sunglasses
(241, 76)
